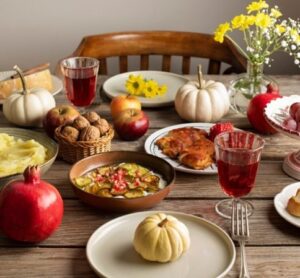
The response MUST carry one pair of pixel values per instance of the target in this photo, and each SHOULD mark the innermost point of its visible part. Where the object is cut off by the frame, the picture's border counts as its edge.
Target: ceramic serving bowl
(42, 138)
(151, 162)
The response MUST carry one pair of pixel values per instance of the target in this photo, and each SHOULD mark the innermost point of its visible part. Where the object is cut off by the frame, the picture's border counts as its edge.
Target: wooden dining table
(274, 246)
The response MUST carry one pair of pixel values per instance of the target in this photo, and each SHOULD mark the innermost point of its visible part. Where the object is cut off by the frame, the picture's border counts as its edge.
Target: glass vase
(247, 85)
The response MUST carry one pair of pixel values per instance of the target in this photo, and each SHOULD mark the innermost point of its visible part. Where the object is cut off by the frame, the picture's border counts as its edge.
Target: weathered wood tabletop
(274, 246)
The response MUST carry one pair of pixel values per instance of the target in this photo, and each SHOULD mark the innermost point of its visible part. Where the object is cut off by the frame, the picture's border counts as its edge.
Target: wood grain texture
(264, 262)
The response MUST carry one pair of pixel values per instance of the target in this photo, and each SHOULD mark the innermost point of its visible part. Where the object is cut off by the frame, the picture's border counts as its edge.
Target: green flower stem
(238, 47)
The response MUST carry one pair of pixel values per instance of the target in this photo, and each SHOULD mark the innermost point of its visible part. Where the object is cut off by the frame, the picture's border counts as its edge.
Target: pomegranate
(255, 111)
(30, 210)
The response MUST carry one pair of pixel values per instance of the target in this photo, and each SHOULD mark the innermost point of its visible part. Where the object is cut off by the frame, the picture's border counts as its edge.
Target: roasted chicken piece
(190, 145)
(179, 139)
(198, 156)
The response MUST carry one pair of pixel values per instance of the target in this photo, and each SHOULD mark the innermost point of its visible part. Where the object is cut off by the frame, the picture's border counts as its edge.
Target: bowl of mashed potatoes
(20, 148)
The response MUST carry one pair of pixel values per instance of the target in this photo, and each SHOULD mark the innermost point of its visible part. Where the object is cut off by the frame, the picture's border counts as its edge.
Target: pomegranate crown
(32, 174)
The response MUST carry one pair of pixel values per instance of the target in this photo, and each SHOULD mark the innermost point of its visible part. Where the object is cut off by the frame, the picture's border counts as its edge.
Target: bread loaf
(293, 206)
(41, 79)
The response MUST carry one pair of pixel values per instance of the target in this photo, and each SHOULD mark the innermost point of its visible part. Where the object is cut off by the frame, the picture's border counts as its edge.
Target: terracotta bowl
(154, 163)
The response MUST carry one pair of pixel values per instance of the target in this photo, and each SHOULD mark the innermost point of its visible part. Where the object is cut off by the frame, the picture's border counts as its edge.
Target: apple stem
(20, 73)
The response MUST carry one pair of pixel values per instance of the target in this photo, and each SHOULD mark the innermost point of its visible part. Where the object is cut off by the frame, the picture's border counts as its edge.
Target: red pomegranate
(30, 210)
(255, 111)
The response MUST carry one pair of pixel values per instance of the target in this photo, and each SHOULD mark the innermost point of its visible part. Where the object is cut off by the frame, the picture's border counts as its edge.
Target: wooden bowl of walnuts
(87, 135)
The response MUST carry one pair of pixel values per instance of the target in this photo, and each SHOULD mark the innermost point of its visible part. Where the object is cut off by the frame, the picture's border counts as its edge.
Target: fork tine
(243, 218)
(247, 222)
(233, 217)
(237, 219)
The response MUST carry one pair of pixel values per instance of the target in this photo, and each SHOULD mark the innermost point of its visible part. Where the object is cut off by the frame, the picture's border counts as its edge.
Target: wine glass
(80, 80)
(237, 155)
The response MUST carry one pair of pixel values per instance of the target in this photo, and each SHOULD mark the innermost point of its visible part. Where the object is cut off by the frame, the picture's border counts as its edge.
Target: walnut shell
(90, 133)
(91, 116)
(70, 133)
(102, 125)
(80, 123)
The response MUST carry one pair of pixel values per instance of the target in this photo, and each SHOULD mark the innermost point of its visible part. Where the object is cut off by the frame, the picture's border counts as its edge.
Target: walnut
(102, 125)
(90, 133)
(80, 122)
(91, 116)
(70, 133)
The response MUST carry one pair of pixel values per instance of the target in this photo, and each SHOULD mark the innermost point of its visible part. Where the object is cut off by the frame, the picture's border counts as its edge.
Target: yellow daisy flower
(242, 22)
(257, 6)
(150, 89)
(250, 20)
(220, 32)
(161, 90)
(275, 13)
(263, 20)
(295, 36)
(281, 29)
(238, 21)
(135, 84)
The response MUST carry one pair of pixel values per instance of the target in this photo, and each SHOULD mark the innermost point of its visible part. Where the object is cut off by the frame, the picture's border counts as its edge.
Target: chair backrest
(164, 43)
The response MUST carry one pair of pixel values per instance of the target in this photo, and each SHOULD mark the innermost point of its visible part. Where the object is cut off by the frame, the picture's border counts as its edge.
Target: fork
(240, 232)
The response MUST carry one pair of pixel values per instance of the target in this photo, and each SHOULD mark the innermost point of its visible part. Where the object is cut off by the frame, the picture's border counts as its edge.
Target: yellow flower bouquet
(264, 33)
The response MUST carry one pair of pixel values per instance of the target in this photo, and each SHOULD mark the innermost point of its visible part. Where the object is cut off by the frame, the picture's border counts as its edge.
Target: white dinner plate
(111, 254)
(115, 86)
(57, 87)
(281, 200)
(153, 149)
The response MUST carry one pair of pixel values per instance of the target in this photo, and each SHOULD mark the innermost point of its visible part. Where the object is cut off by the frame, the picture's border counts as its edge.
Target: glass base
(224, 208)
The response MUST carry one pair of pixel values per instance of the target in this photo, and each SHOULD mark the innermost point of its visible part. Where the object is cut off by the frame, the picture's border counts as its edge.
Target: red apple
(123, 102)
(57, 116)
(131, 124)
(255, 111)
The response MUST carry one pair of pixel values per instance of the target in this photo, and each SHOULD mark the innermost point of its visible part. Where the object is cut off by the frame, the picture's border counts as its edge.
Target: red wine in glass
(81, 91)
(237, 154)
(236, 180)
(80, 79)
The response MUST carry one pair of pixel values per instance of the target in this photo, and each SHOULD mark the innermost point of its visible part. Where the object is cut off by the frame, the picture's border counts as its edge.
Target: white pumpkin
(203, 101)
(161, 238)
(27, 108)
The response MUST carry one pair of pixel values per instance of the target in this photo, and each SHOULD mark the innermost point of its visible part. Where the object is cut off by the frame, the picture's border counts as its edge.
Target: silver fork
(240, 232)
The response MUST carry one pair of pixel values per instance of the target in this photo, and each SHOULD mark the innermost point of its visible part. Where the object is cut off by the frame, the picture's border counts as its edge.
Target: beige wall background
(38, 31)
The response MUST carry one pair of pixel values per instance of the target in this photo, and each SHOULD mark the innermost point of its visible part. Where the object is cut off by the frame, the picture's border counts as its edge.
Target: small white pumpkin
(27, 108)
(203, 101)
(161, 238)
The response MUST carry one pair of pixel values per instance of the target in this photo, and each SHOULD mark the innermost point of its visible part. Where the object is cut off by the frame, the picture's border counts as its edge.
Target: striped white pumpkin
(208, 103)
(28, 108)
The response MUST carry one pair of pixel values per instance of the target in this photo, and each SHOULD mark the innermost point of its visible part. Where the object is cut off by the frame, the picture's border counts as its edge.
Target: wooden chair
(164, 43)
